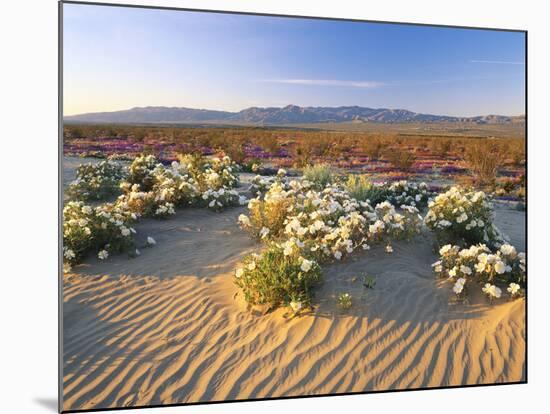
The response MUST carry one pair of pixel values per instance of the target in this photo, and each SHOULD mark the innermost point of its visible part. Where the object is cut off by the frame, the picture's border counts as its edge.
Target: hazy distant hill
(290, 114)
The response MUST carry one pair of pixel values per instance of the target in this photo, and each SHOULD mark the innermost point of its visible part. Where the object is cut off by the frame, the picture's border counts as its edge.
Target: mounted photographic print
(263, 206)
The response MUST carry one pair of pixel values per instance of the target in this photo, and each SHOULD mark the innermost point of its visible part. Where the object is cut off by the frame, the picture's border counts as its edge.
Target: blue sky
(118, 58)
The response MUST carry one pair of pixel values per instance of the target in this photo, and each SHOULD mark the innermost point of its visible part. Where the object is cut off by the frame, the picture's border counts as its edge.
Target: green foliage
(319, 175)
(96, 181)
(277, 277)
(344, 301)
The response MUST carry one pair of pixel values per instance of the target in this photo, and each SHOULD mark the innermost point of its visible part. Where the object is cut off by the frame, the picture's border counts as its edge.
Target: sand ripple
(165, 328)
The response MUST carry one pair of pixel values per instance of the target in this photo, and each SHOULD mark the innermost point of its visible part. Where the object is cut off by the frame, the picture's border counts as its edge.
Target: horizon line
(292, 105)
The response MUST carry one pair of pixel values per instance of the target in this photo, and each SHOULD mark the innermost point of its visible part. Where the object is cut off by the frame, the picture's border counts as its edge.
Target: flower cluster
(150, 190)
(96, 181)
(192, 181)
(328, 223)
(141, 170)
(409, 193)
(259, 185)
(218, 199)
(103, 229)
(278, 277)
(464, 217)
(221, 173)
(398, 193)
(478, 264)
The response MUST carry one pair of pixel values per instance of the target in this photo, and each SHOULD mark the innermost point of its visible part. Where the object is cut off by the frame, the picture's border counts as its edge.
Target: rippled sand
(166, 327)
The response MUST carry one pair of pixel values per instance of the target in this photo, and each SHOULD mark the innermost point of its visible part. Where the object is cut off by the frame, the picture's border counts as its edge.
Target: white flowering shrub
(327, 224)
(278, 277)
(260, 185)
(319, 175)
(409, 193)
(102, 229)
(269, 212)
(493, 271)
(388, 224)
(221, 198)
(398, 193)
(141, 170)
(192, 181)
(464, 217)
(221, 173)
(96, 181)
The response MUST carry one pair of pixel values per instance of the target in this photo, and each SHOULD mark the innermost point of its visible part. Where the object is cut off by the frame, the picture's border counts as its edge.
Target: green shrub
(96, 181)
(278, 277)
(362, 189)
(319, 175)
(464, 217)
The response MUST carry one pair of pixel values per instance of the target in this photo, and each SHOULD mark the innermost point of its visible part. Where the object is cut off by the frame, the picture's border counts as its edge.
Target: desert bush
(302, 154)
(328, 224)
(409, 193)
(442, 146)
(462, 217)
(484, 159)
(269, 143)
(493, 271)
(86, 229)
(141, 170)
(319, 175)
(278, 277)
(192, 181)
(260, 185)
(268, 212)
(362, 188)
(221, 198)
(397, 193)
(373, 148)
(400, 158)
(96, 181)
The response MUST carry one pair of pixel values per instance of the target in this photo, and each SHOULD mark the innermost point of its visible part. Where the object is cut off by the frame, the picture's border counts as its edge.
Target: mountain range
(290, 114)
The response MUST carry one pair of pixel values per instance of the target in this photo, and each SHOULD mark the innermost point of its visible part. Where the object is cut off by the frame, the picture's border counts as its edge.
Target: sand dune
(165, 327)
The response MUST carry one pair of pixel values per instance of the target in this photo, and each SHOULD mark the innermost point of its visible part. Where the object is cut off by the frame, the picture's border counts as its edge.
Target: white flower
(296, 306)
(103, 254)
(69, 254)
(151, 241)
(508, 250)
(264, 232)
(513, 288)
(459, 285)
(239, 272)
(337, 255)
(252, 265)
(389, 249)
(125, 231)
(87, 210)
(500, 267)
(462, 218)
(137, 252)
(244, 220)
(444, 249)
(365, 247)
(491, 290)
(466, 270)
(306, 265)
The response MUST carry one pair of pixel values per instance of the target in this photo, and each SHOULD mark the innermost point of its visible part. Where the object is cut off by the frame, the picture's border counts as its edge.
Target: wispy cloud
(498, 62)
(327, 82)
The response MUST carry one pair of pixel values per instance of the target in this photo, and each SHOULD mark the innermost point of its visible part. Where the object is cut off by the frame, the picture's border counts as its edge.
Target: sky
(118, 58)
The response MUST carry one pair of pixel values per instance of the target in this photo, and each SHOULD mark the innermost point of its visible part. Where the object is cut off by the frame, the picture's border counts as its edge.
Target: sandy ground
(166, 327)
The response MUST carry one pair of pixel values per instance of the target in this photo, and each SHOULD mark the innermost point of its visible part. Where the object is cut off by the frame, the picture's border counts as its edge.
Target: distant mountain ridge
(290, 114)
